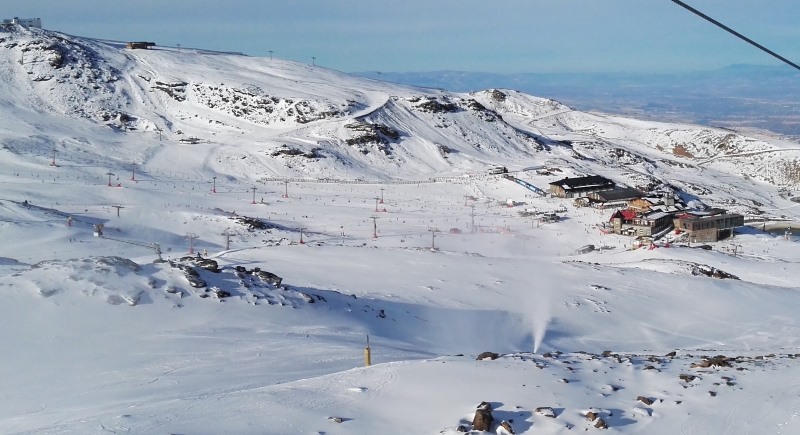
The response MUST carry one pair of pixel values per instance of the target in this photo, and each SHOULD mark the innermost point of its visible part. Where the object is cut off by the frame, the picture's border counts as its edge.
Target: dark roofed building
(581, 186)
(140, 44)
(618, 197)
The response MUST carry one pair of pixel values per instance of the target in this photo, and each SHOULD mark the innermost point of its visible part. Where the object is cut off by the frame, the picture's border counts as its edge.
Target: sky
(510, 36)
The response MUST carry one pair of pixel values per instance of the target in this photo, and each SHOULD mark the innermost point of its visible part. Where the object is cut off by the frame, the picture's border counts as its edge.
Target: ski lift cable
(735, 33)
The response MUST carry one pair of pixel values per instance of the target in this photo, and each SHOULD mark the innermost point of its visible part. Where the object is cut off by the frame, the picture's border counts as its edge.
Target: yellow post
(367, 354)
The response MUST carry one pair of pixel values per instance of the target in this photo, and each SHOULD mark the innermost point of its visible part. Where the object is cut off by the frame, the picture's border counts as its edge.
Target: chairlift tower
(472, 217)
(192, 237)
(374, 227)
(227, 233)
(433, 238)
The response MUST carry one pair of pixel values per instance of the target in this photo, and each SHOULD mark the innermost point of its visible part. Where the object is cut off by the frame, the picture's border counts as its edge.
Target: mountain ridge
(311, 107)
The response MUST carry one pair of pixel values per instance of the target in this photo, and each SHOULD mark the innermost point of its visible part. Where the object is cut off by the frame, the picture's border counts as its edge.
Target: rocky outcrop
(436, 106)
(251, 103)
(191, 275)
(379, 135)
(253, 224)
(713, 272)
(314, 153)
(207, 264)
(716, 361)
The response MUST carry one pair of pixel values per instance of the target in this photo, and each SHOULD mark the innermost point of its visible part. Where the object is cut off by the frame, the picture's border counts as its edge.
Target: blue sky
(503, 36)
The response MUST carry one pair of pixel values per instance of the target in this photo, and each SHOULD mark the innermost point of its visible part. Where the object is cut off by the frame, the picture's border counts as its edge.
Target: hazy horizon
(736, 96)
(509, 37)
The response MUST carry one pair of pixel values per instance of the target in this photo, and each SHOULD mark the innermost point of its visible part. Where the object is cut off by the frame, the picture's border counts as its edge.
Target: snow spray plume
(540, 319)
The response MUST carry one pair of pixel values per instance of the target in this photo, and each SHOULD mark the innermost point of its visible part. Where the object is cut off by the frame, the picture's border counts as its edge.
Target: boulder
(646, 400)
(207, 264)
(483, 417)
(687, 378)
(507, 427)
(546, 411)
(600, 424)
(268, 277)
(195, 281)
(307, 297)
(487, 355)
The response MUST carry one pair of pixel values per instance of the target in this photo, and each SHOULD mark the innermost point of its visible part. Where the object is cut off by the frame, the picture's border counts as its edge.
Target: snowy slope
(267, 335)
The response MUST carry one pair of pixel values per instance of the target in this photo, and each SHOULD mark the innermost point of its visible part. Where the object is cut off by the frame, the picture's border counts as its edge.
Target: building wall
(707, 235)
(640, 204)
(710, 229)
(557, 190)
(577, 192)
(25, 22)
(617, 223)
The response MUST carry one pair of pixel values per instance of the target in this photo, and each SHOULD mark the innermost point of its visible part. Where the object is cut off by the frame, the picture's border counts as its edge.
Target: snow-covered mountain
(308, 120)
(328, 208)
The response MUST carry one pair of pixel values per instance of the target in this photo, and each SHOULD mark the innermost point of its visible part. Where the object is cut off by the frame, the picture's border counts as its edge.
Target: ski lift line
(735, 33)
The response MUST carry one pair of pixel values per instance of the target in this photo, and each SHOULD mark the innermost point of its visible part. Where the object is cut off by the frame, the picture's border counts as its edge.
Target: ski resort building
(632, 223)
(666, 202)
(133, 45)
(618, 197)
(582, 186)
(708, 226)
(24, 22)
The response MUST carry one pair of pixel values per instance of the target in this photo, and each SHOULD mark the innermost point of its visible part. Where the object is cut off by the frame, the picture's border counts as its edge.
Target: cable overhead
(735, 33)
